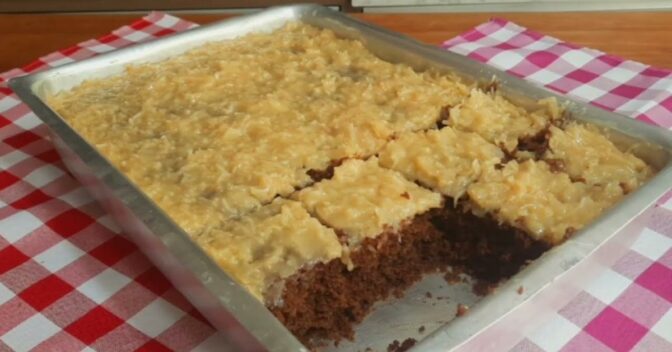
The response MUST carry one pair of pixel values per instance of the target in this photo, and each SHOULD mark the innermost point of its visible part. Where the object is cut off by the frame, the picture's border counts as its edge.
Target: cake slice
(265, 247)
(449, 161)
(363, 200)
(546, 205)
(389, 246)
(446, 160)
(499, 121)
(587, 155)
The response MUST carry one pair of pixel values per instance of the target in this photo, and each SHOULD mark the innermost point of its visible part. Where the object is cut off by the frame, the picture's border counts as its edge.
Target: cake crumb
(421, 329)
(395, 346)
(482, 288)
(452, 277)
(462, 309)
(520, 290)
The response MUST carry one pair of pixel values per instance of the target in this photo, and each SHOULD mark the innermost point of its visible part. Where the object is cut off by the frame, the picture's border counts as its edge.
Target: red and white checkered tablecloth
(70, 281)
(627, 304)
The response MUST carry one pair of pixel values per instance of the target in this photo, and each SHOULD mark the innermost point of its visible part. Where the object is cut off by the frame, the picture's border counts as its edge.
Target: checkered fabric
(70, 281)
(627, 87)
(629, 305)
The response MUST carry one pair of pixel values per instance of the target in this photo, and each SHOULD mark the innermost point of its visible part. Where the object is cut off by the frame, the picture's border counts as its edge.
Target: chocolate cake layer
(325, 302)
(484, 249)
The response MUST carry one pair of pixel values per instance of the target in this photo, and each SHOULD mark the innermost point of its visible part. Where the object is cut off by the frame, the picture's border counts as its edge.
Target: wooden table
(642, 37)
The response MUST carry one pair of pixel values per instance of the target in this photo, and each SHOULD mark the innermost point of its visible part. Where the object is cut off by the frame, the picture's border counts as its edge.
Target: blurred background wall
(8, 6)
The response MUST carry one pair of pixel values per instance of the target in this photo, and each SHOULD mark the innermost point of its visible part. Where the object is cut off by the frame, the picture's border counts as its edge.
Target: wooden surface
(642, 37)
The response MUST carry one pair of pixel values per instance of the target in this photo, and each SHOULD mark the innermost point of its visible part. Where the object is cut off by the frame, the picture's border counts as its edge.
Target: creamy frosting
(363, 199)
(589, 156)
(528, 195)
(446, 160)
(270, 244)
(498, 120)
(224, 128)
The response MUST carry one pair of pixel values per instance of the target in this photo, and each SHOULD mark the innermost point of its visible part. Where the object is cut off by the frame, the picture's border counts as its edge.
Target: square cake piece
(263, 248)
(588, 156)
(531, 197)
(364, 200)
(446, 160)
(388, 245)
(500, 121)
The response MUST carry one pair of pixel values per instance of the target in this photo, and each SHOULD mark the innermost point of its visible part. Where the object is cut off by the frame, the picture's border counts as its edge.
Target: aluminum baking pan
(214, 292)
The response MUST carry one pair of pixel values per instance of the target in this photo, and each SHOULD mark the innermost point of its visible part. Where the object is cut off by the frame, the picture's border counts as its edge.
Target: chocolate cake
(324, 179)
